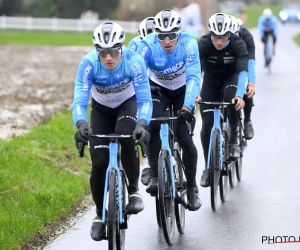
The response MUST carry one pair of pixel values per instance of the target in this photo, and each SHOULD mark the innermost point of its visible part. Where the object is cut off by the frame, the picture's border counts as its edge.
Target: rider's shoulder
(150, 39)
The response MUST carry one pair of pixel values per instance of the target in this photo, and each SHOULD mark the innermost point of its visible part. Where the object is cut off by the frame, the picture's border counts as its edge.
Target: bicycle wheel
(232, 173)
(166, 200)
(239, 161)
(181, 194)
(224, 173)
(120, 234)
(214, 169)
(157, 211)
(113, 215)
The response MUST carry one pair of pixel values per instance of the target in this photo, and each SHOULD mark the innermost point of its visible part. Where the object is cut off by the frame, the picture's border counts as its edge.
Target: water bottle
(175, 169)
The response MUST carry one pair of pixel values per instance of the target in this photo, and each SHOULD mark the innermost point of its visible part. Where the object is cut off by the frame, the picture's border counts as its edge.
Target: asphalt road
(264, 207)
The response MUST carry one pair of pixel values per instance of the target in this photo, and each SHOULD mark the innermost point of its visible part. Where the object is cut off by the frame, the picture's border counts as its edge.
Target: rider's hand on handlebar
(250, 90)
(140, 133)
(185, 114)
(83, 132)
(239, 102)
(198, 99)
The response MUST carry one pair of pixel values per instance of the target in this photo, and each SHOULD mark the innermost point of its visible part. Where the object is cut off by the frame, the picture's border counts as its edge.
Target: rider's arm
(83, 84)
(241, 54)
(248, 38)
(145, 51)
(193, 72)
(141, 85)
(275, 25)
(133, 44)
(261, 26)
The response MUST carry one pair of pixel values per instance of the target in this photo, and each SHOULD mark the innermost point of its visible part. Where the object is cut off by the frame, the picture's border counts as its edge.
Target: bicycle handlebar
(217, 103)
(111, 136)
(165, 119)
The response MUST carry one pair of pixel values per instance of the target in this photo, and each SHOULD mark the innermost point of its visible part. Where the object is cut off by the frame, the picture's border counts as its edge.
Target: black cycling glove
(140, 133)
(185, 114)
(83, 132)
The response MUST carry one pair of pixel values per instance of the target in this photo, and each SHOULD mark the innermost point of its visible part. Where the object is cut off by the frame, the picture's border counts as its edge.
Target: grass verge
(255, 11)
(297, 39)
(41, 179)
(50, 38)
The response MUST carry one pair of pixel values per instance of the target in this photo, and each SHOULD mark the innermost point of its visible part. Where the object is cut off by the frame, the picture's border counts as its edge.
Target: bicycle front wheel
(239, 161)
(123, 226)
(224, 173)
(214, 169)
(166, 199)
(113, 215)
(157, 211)
(181, 195)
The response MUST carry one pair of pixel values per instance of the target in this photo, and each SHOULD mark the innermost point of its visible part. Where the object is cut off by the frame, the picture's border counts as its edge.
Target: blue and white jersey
(265, 25)
(134, 43)
(112, 87)
(176, 69)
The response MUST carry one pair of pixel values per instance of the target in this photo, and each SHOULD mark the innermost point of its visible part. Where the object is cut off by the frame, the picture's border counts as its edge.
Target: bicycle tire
(214, 169)
(166, 199)
(181, 194)
(224, 175)
(123, 226)
(113, 215)
(239, 161)
(232, 173)
(157, 211)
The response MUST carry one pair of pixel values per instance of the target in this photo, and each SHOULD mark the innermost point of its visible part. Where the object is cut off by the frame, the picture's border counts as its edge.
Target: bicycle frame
(164, 136)
(113, 164)
(217, 119)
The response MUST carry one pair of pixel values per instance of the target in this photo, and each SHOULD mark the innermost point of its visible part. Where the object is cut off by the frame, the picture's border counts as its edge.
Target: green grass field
(255, 11)
(41, 179)
(297, 39)
(50, 38)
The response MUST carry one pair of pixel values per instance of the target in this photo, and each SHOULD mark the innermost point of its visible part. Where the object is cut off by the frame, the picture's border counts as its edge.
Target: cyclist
(268, 25)
(121, 103)
(224, 62)
(171, 57)
(243, 33)
(146, 27)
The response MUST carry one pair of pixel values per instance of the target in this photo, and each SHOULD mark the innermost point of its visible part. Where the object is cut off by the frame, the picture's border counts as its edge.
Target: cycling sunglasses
(111, 51)
(162, 36)
(215, 37)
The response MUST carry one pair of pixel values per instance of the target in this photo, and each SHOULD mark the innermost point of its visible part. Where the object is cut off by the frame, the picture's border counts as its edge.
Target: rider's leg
(154, 145)
(248, 126)
(129, 154)
(211, 91)
(102, 122)
(229, 92)
(189, 151)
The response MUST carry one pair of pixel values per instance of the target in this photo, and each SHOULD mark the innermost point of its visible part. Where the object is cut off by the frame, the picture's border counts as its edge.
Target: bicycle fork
(217, 116)
(164, 136)
(113, 164)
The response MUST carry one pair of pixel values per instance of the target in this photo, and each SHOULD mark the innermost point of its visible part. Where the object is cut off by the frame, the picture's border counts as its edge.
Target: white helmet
(235, 25)
(146, 27)
(108, 35)
(267, 13)
(219, 24)
(167, 21)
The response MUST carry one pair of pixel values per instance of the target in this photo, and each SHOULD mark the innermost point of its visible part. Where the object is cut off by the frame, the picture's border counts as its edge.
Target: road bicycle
(222, 167)
(268, 51)
(115, 192)
(171, 199)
